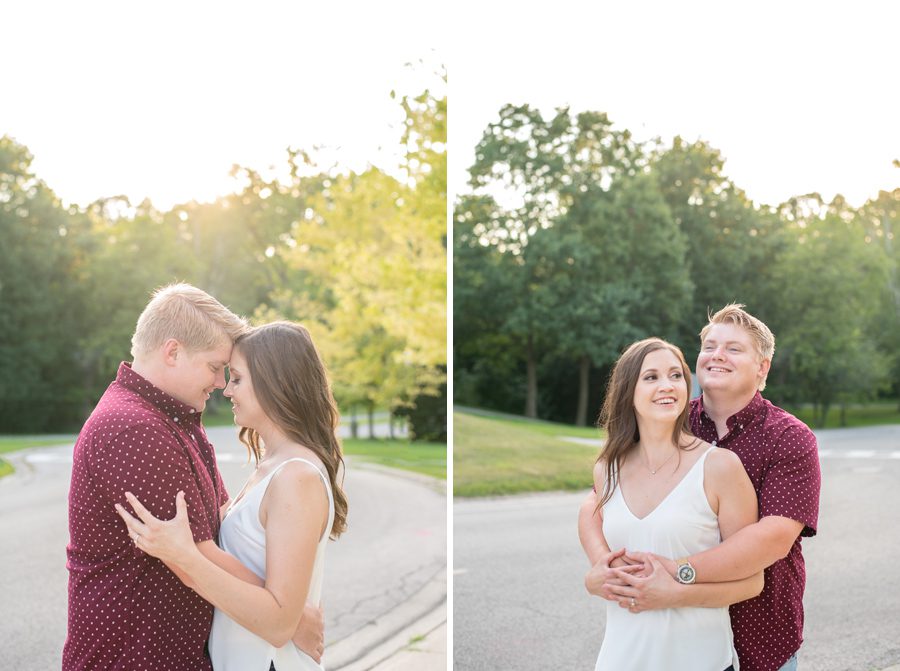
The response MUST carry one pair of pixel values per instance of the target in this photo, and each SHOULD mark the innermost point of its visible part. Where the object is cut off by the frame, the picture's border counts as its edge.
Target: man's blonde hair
(189, 315)
(762, 337)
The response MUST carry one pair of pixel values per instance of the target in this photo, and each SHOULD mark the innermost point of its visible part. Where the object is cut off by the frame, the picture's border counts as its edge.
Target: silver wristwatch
(684, 573)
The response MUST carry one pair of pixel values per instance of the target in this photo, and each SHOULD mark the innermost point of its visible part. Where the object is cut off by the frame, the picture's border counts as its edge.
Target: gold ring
(632, 602)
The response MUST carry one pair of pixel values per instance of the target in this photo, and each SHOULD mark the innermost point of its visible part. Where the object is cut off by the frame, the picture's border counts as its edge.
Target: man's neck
(150, 372)
(720, 407)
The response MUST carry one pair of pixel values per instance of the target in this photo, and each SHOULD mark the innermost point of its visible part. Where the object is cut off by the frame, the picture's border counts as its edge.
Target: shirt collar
(749, 411)
(168, 405)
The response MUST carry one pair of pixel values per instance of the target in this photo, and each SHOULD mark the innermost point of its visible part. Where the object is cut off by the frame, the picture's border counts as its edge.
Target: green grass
(427, 458)
(498, 454)
(870, 414)
(5, 468)
(13, 443)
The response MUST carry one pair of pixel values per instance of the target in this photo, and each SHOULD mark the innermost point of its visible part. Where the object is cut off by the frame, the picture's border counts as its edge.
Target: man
(780, 455)
(128, 610)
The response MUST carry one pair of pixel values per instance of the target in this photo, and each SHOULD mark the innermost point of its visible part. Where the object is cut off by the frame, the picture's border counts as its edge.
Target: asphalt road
(395, 544)
(519, 602)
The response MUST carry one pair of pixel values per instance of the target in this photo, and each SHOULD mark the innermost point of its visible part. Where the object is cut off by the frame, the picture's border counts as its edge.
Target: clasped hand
(637, 581)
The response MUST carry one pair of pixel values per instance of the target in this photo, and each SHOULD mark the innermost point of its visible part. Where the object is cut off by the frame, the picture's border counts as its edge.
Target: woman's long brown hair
(617, 415)
(292, 388)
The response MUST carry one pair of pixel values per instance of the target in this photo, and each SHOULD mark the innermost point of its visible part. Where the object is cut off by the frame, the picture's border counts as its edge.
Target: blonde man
(128, 610)
(779, 454)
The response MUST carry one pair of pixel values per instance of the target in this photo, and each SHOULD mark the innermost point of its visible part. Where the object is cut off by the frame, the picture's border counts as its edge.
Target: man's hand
(652, 590)
(599, 579)
(644, 558)
(310, 634)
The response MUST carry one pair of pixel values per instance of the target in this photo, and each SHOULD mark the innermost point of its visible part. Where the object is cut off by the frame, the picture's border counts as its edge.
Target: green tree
(880, 218)
(616, 273)
(38, 300)
(731, 244)
(373, 246)
(832, 284)
(536, 169)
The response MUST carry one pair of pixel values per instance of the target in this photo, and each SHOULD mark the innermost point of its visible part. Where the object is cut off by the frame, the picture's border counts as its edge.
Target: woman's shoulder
(722, 463)
(303, 464)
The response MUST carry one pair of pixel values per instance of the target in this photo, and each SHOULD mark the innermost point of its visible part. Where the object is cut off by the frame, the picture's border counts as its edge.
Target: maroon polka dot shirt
(127, 610)
(780, 455)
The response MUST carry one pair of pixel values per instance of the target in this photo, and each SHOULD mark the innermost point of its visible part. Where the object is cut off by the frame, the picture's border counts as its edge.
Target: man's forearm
(718, 594)
(751, 550)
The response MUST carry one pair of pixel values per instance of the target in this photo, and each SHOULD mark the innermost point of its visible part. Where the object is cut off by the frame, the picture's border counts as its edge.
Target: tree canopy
(577, 240)
(358, 257)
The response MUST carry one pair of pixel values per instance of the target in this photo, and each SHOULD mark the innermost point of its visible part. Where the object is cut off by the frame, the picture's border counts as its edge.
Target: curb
(412, 643)
(437, 484)
(391, 631)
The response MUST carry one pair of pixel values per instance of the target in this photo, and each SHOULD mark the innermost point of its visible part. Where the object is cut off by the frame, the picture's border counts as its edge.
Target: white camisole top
(231, 646)
(675, 639)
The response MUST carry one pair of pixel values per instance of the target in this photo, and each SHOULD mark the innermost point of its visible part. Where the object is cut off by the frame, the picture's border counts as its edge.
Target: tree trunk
(843, 414)
(371, 412)
(531, 392)
(391, 424)
(354, 425)
(584, 373)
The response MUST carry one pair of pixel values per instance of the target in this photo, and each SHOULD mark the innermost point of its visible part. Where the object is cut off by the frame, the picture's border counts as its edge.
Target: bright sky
(160, 99)
(799, 96)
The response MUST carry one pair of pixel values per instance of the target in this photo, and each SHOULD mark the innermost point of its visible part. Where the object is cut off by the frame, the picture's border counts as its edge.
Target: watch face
(686, 573)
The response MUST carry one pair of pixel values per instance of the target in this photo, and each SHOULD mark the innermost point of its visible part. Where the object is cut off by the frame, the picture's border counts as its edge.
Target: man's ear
(764, 366)
(171, 348)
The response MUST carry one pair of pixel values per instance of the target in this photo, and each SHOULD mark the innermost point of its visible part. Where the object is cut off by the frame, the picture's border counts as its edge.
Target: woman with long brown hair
(663, 491)
(280, 522)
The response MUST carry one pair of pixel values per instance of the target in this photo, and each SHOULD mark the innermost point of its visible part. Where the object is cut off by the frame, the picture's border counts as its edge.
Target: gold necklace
(654, 471)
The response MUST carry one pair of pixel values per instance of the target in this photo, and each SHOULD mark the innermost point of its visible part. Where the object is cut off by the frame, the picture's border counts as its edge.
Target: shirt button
(176, 419)
(192, 412)
(713, 443)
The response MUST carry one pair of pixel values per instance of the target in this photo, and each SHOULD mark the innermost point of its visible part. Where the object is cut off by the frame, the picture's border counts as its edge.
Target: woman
(663, 491)
(279, 524)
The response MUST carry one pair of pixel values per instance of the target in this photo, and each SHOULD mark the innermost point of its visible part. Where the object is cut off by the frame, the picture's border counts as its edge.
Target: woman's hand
(602, 574)
(171, 541)
(653, 588)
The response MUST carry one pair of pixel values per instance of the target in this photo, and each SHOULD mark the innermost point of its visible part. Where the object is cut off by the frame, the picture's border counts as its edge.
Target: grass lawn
(870, 414)
(427, 458)
(499, 454)
(13, 443)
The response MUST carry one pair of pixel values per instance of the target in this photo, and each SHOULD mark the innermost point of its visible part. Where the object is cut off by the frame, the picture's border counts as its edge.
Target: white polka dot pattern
(127, 610)
(780, 455)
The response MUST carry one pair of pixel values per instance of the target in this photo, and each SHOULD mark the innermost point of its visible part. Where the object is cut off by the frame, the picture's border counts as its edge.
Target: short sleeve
(792, 484)
(151, 463)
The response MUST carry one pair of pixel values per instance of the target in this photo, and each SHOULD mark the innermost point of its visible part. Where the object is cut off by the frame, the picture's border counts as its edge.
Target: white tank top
(675, 639)
(231, 646)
